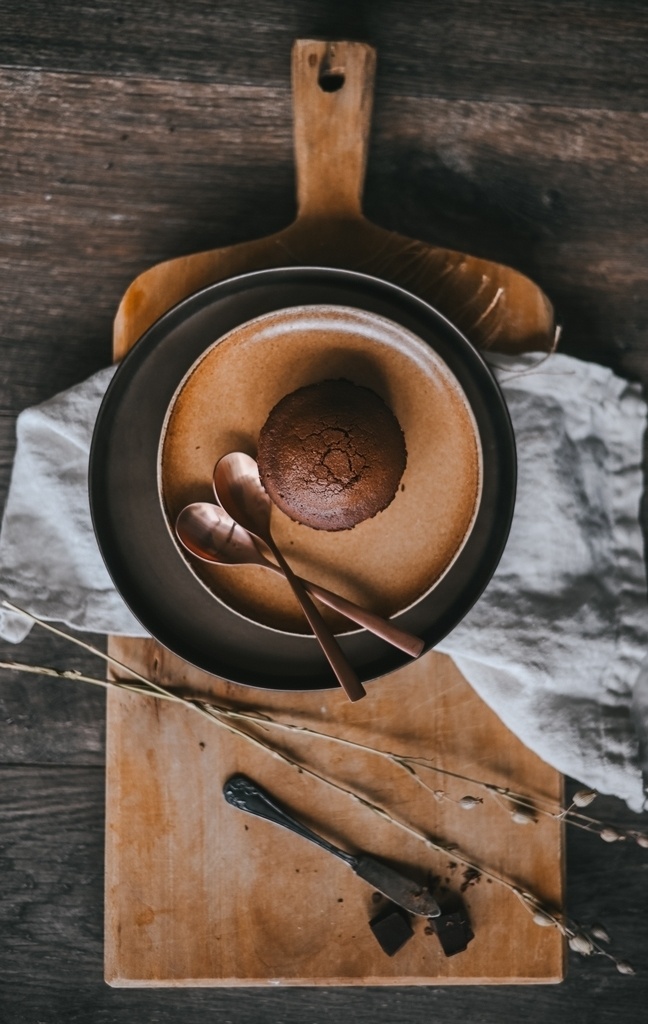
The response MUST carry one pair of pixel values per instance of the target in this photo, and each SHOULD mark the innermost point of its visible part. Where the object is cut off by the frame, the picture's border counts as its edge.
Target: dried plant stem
(511, 801)
(507, 798)
(230, 718)
(58, 673)
(88, 647)
(224, 716)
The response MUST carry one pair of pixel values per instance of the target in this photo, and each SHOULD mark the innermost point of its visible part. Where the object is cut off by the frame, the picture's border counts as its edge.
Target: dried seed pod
(581, 944)
(599, 932)
(584, 797)
(609, 835)
(523, 816)
(468, 802)
(544, 920)
(623, 967)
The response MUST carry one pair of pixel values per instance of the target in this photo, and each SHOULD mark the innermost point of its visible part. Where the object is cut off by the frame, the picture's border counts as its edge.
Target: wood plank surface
(579, 52)
(65, 262)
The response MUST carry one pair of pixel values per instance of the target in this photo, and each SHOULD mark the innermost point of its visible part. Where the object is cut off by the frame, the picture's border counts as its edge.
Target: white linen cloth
(555, 643)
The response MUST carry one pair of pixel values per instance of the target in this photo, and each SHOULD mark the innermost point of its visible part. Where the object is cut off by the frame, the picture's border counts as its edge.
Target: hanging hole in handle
(331, 79)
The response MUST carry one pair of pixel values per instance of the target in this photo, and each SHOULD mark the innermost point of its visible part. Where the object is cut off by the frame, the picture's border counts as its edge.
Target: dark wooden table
(133, 132)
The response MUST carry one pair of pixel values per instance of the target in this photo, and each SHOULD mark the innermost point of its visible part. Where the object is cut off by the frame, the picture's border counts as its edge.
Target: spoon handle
(386, 630)
(241, 792)
(345, 675)
(376, 624)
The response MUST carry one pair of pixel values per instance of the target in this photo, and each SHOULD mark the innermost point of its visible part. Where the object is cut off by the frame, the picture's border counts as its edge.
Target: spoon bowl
(238, 488)
(208, 532)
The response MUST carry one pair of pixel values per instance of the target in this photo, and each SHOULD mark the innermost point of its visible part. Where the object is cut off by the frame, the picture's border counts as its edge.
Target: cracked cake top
(331, 455)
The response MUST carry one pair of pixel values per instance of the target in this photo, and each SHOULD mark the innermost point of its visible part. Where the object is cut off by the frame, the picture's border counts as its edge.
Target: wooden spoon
(241, 493)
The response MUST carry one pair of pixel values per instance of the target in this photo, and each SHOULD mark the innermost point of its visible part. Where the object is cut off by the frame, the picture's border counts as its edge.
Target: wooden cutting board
(198, 893)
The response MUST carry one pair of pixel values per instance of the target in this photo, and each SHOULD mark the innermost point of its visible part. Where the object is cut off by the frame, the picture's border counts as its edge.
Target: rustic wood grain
(48, 721)
(63, 267)
(581, 52)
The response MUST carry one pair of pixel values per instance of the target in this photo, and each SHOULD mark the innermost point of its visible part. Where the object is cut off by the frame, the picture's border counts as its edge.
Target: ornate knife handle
(241, 792)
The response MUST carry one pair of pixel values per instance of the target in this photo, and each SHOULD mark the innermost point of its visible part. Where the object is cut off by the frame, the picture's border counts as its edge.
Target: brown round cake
(331, 455)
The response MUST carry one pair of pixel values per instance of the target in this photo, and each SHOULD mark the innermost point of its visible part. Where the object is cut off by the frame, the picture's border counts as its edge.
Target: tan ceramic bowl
(387, 563)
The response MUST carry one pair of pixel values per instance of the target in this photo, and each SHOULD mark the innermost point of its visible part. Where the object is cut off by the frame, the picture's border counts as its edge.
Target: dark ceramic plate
(141, 556)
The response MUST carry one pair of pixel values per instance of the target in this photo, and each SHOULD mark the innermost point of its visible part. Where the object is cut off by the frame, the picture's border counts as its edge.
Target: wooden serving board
(198, 893)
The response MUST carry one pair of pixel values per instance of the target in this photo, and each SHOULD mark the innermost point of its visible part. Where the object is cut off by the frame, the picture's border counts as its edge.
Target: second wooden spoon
(241, 493)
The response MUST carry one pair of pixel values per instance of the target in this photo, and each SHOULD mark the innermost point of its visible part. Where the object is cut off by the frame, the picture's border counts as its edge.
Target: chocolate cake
(331, 455)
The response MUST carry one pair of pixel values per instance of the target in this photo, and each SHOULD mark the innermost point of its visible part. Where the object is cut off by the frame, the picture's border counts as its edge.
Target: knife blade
(242, 792)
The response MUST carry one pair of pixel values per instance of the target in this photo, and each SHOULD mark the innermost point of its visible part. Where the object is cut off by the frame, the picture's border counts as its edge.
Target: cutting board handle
(332, 98)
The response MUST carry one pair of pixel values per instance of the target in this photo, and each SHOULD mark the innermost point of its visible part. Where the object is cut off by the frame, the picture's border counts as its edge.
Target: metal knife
(241, 792)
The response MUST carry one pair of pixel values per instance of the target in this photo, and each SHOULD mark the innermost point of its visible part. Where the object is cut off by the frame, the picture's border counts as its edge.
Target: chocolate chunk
(391, 928)
(453, 930)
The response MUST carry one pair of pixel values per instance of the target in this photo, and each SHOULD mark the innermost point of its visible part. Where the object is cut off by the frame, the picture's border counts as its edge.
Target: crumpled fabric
(556, 642)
